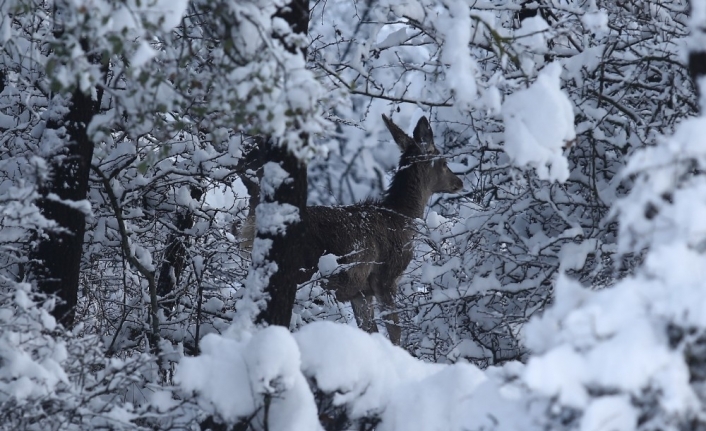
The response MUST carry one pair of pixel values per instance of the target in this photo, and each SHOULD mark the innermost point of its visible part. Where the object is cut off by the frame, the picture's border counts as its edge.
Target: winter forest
(525, 250)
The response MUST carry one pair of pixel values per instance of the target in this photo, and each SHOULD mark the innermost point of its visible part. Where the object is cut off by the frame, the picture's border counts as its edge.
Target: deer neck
(407, 194)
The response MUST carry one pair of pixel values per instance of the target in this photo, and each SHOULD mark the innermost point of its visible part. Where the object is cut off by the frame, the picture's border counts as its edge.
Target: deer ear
(423, 135)
(401, 138)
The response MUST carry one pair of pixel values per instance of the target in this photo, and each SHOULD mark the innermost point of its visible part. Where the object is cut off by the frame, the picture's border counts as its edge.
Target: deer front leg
(364, 313)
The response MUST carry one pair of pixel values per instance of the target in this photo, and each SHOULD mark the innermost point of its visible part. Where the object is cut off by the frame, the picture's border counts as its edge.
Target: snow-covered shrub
(338, 377)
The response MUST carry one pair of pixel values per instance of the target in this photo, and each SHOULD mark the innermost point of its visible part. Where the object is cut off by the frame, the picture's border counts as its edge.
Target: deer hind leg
(392, 323)
(364, 313)
(388, 307)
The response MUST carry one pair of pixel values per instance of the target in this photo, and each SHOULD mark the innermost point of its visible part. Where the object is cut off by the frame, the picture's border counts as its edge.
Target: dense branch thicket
(501, 244)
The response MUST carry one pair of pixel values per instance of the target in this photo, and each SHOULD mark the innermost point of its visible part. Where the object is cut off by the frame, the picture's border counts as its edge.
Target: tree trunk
(287, 249)
(697, 53)
(59, 253)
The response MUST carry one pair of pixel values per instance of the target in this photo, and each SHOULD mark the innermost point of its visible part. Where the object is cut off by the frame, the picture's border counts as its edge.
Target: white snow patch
(533, 34)
(539, 123)
(596, 22)
(328, 264)
(233, 377)
(142, 55)
(273, 177)
(273, 218)
(430, 271)
(172, 11)
(408, 8)
(461, 74)
(559, 373)
(610, 413)
(393, 39)
(83, 206)
(573, 255)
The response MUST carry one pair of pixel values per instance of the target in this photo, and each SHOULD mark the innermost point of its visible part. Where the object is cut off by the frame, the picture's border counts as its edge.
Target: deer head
(423, 171)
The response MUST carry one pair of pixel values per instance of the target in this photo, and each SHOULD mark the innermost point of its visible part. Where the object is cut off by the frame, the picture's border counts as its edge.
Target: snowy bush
(359, 380)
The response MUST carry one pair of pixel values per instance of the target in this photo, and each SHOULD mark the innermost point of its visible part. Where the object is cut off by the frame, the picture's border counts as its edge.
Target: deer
(373, 239)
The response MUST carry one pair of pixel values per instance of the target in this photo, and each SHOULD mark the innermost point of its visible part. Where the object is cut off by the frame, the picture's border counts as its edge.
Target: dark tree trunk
(697, 64)
(697, 58)
(296, 13)
(697, 69)
(59, 253)
(287, 249)
(175, 254)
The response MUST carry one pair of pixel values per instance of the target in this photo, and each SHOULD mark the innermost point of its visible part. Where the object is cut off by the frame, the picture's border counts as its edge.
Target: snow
(272, 358)
(21, 297)
(163, 400)
(142, 55)
(364, 372)
(359, 368)
(467, 349)
(328, 264)
(659, 168)
(596, 22)
(22, 375)
(610, 413)
(143, 256)
(5, 30)
(597, 340)
(213, 305)
(215, 373)
(171, 10)
(83, 206)
(533, 34)
(440, 401)
(273, 177)
(7, 121)
(573, 255)
(431, 271)
(408, 8)
(393, 39)
(539, 124)
(434, 220)
(462, 70)
(233, 375)
(560, 374)
(273, 218)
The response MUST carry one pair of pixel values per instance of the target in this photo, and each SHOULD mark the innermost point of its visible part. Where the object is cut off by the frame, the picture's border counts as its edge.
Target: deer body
(373, 239)
(372, 243)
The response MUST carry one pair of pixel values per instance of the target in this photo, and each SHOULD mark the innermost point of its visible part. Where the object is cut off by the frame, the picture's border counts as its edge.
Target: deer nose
(455, 187)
